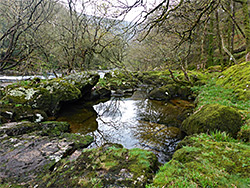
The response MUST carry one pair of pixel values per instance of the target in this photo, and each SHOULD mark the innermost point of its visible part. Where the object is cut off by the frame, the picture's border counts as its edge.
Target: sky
(135, 12)
(132, 15)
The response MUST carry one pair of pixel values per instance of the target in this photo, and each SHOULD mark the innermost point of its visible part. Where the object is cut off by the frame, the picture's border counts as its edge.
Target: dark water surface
(133, 123)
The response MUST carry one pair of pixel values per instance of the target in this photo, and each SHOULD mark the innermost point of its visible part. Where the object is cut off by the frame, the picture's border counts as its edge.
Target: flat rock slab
(25, 156)
(108, 166)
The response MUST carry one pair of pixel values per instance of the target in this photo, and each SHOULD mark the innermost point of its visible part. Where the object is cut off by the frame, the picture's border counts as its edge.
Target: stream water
(133, 123)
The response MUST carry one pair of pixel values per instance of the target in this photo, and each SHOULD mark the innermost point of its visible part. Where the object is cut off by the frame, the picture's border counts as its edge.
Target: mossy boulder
(237, 77)
(61, 92)
(18, 112)
(48, 96)
(84, 81)
(108, 166)
(204, 161)
(244, 133)
(212, 117)
(160, 94)
(118, 80)
(155, 78)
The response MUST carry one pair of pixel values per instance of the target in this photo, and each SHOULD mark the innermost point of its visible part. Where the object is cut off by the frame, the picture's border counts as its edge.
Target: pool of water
(146, 124)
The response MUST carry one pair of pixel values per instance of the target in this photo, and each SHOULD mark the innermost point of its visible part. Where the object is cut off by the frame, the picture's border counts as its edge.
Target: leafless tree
(21, 19)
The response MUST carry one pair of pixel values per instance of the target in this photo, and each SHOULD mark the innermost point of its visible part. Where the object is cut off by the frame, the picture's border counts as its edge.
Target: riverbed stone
(28, 150)
(171, 91)
(213, 117)
(108, 166)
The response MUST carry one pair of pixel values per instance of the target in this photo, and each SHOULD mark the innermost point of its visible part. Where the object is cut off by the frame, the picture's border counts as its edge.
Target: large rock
(108, 166)
(213, 117)
(84, 81)
(28, 150)
(48, 96)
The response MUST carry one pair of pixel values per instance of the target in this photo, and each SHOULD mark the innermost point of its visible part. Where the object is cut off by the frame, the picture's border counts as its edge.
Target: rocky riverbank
(38, 153)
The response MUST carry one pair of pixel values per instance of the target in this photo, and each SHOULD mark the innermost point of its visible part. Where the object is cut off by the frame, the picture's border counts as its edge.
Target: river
(145, 123)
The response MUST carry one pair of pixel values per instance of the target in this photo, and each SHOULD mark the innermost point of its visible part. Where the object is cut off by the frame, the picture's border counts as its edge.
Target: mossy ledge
(206, 161)
(29, 150)
(108, 166)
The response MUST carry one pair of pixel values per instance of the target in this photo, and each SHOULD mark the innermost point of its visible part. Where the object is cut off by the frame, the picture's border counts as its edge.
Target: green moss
(80, 141)
(237, 78)
(216, 68)
(107, 166)
(204, 162)
(213, 93)
(213, 117)
(53, 128)
(244, 133)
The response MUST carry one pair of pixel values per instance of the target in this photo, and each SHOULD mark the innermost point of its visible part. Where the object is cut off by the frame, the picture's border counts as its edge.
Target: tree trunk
(219, 38)
(246, 24)
(210, 61)
(233, 29)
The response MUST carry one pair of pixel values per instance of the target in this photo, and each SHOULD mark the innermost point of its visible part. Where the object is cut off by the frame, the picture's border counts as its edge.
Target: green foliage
(222, 136)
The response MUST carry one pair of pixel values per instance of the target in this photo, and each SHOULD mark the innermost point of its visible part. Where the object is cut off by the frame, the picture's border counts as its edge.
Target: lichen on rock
(108, 166)
(49, 95)
(28, 150)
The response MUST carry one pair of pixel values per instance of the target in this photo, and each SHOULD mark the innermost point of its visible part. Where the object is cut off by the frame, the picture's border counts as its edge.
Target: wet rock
(103, 93)
(213, 117)
(28, 150)
(100, 93)
(171, 91)
(159, 94)
(139, 95)
(108, 166)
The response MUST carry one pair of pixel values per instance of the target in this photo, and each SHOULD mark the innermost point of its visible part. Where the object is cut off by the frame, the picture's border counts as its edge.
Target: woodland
(176, 74)
(42, 36)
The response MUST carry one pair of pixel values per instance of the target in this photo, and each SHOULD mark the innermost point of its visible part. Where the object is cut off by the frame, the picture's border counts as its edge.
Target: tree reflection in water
(133, 123)
(139, 123)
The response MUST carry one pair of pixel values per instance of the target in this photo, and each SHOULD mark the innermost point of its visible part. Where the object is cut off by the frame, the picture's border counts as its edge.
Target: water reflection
(81, 119)
(133, 123)
(140, 123)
